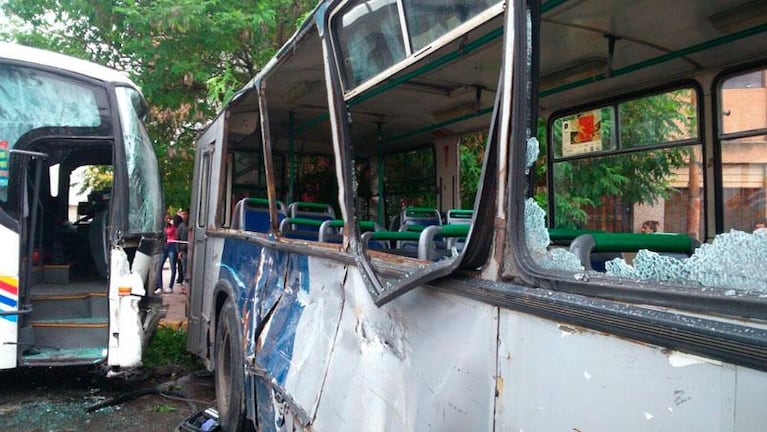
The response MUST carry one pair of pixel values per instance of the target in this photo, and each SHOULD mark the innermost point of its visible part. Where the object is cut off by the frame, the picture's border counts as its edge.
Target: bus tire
(229, 373)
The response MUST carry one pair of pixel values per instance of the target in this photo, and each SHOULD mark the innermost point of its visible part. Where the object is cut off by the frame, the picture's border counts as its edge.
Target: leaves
(642, 176)
(188, 57)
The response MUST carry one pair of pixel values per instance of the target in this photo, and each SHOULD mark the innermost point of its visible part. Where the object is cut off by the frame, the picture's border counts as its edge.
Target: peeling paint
(678, 359)
(565, 331)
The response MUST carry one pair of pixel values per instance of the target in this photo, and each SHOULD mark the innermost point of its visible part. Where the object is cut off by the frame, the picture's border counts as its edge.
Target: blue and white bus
(76, 261)
(426, 215)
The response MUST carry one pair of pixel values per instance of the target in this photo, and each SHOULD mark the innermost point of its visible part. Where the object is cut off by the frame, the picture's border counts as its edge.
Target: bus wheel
(229, 374)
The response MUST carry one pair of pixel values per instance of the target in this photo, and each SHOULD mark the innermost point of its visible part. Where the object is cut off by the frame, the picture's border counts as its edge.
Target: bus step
(68, 306)
(44, 356)
(70, 333)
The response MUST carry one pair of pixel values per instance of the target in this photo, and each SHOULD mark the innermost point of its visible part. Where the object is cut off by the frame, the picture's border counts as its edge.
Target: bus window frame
(203, 203)
(386, 155)
(720, 136)
(350, 92)
(613, 103)
(339, 116)
(520, 263)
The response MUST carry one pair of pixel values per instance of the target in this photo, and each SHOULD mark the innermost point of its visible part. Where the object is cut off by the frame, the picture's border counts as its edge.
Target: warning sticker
(581, 134)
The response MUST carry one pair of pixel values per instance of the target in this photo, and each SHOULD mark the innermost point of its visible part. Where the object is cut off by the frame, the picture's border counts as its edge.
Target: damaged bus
(76, 262)
(425, 215)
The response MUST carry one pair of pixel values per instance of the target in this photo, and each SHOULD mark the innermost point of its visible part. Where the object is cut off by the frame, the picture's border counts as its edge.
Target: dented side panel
(557, 377)
(425, 361)
(296, 347)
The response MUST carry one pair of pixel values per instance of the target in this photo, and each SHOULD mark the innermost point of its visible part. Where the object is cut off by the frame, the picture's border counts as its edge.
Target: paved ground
(176, 303)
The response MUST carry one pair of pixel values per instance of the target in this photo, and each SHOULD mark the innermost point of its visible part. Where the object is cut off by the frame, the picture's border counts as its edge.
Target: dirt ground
(55, 400)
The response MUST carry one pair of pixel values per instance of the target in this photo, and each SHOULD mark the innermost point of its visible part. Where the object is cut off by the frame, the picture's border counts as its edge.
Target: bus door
(200, 217)
(13, 288)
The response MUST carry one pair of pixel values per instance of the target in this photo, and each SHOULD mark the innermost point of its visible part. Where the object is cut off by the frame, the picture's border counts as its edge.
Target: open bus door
(73, 272)
(13, 288)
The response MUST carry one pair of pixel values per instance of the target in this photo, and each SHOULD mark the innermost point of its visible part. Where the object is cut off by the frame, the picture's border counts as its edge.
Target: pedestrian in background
(649, 227)
(169, 253)
(182, 235)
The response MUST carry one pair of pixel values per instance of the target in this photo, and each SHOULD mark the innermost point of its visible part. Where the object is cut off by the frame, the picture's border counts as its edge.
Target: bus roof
(67, 63)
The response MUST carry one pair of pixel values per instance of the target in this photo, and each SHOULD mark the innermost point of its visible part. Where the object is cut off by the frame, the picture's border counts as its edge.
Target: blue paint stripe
(8, 301)
(11, 318)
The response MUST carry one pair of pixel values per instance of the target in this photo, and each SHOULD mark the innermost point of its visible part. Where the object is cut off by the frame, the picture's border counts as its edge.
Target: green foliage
(188, 56)
(409, 180)
(635, 177)
(163, 409)
(168, 348)
(472, 154)
(95, 178)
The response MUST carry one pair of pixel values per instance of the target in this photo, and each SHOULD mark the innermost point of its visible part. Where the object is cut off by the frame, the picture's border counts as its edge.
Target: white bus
(426, 215)
(75, 262)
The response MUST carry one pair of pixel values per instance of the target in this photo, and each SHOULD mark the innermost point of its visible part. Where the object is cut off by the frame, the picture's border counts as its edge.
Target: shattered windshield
(145, 204)
(32, 99)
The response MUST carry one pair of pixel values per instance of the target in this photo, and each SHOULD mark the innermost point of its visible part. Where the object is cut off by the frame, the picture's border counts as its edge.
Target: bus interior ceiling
(578, 63)
(402, 116)
(432, 98)
(587, 53)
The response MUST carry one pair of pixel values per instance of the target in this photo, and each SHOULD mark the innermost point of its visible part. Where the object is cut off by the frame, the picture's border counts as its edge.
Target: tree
(188, 56)
(642, 176)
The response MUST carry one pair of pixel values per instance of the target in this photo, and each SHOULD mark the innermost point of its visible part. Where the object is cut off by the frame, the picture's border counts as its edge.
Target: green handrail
(304, 221)
(395, 235)
(633, 242)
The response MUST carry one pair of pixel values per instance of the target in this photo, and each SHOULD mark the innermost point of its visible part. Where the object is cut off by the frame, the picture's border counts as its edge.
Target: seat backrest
(330, 230)
(459, 216)
(252, 214)
(416, 219)
(424, 216)
(310, 210)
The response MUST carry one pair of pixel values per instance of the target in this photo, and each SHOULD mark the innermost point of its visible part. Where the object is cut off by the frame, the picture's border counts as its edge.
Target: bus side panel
(297, 344)
(425, 361)
(9, 297)
(548, 366)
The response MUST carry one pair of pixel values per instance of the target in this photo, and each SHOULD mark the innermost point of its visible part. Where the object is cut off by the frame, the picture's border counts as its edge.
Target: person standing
(182, 236)
(169, 252)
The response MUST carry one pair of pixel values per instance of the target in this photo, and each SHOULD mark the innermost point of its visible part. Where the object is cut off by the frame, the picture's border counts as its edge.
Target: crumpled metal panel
(557, 377)
(297, 342)
(424, 361)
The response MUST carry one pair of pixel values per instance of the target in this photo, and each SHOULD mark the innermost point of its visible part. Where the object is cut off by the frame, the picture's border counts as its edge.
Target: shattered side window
(144, 192)
(733, 262)
(633, 209)
(370, 38)
(428, 20)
